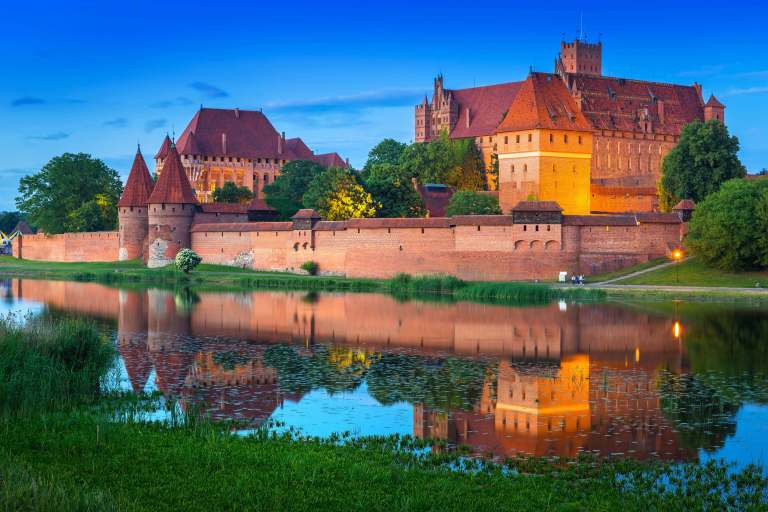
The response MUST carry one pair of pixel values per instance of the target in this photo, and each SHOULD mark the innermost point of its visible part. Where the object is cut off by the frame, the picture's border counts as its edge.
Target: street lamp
(677, 256)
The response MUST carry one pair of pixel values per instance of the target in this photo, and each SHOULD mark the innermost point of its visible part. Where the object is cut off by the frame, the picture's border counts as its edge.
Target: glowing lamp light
(677, 254)
(677, 329)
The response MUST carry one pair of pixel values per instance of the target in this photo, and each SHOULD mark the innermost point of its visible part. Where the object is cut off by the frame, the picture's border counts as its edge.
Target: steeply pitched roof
(543, 101)
(537, 206)
(23, 227)
(172, 186)
(616, 103)
(230, 132)
(486, 105)
(685, 204)
(139, 184)
(306, 213)
(713, 102)
(163, 151)
(295, 149)
(331, 160)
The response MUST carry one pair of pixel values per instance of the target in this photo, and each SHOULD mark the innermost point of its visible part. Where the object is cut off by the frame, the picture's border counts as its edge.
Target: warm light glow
(677, 254)
(677, 329)
(637, 354)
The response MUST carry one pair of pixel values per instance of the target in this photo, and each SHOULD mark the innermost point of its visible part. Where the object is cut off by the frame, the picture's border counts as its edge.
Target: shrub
(310, 267)
(472, 203)
(187, 260)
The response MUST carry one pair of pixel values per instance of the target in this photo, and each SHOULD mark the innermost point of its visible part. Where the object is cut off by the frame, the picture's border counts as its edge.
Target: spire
(163, 151)
(139, 184)
(713, 102)
(173, 185)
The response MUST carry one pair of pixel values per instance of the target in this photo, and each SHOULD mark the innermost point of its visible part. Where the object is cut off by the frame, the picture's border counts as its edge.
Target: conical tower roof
(139, 184)
(173, 185)
(164, 147)
(713, 102)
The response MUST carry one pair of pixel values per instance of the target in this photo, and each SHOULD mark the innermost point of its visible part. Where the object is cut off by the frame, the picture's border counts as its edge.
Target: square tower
(582, 57)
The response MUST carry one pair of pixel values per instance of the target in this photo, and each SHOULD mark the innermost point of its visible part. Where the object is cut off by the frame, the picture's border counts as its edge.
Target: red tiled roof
(617, 103)
(486, 105)
(713, 102)
(685, 204)
(657, 218)
(599, 220)
(173, 185)
(295, 149)
(230, 132)
(544, 102)
(482, 220)
(537, 206)
(224, 207)
(416, 222)
(139, 184)
(306, 213)
(331, 225)
(257, 204)
(164, 147)
(331, 160)
(228, 227)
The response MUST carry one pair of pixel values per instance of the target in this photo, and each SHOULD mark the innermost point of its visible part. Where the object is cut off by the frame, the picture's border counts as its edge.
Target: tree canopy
(393, 191)
(8, 221)
(232, 193)
(388, 151)
(337, 195)
(705, 158)
(472, 203)
(729, 229)
(286, 193)
(72, 192)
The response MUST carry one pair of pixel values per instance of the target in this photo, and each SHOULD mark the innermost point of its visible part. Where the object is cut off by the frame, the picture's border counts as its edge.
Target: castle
(239, 146)
(593, 144)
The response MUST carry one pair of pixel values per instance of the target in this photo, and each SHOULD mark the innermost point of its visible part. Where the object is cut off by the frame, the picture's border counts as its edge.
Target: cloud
(154, 124)
(181, 101)
(385, 98)
(118, 122)
(706, 70)
(27, 100)
(208, 90)
(49, 136)
(760, 89)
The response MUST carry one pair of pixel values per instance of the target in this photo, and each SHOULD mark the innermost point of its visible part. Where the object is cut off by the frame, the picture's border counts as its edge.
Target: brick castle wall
(68, 247)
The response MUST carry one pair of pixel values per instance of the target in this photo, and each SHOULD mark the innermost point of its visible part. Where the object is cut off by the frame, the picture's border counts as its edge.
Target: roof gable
(543, 101)
(486, 105)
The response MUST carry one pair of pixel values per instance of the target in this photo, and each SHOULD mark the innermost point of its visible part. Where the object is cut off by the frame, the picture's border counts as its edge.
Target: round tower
(172, 207)
(132, 210)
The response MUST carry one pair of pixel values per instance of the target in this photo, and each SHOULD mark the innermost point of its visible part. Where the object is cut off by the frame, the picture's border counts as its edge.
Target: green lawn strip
(149, 467)
(693, 272)
(224, 278)
(599, 278)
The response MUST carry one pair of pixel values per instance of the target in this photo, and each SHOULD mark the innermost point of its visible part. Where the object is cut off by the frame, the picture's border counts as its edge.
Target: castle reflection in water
(560, 380)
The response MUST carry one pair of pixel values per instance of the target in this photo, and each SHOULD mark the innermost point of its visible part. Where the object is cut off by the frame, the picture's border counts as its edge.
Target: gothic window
(517, 139)
(530, 137)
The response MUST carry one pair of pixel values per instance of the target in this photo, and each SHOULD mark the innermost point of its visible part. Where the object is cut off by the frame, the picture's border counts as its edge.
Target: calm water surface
(675, 381)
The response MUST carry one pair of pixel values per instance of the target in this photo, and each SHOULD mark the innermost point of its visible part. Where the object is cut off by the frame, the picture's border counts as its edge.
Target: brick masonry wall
(68, 247)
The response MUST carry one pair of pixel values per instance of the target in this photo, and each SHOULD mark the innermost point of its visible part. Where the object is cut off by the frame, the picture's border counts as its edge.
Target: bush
(187, 260)
(310, 267)
(472, 203)
(729, 229)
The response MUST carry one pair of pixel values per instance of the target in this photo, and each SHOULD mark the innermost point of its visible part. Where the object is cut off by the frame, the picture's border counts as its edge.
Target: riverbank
(222, 278)
(694, 273)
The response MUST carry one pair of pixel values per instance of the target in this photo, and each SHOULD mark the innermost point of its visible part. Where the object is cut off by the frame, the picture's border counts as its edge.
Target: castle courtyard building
(592, 143)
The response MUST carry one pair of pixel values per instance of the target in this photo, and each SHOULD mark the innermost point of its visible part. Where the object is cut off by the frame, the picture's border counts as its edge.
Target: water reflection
(556, 380)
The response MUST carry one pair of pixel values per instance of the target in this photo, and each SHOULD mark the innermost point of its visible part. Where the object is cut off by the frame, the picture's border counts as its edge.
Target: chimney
(237, 113)
(347, 162)
(697, 86)
(279, 145)
(224, 143)
(468, 112)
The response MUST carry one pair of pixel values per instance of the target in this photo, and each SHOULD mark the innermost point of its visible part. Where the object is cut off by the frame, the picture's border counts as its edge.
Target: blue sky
(99, 77)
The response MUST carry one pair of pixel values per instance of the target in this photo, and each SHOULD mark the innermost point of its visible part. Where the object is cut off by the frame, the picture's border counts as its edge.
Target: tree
(388, 151)
(55, 197)
(429, 162)
(232, 193)
(8, 221)
(286, 193)
(393, 192)
(336, 195)
(186, 260)
(472, 203)
(729, 229)
(705, 158)
(468, 172)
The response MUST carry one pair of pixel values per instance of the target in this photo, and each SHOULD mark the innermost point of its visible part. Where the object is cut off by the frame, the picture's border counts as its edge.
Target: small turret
(172, 207)
(132, 210)
(713, 109)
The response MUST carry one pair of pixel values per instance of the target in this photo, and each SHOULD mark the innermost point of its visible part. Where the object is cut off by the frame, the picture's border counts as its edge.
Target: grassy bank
(606, 276)
(223, 278)
(693, 272)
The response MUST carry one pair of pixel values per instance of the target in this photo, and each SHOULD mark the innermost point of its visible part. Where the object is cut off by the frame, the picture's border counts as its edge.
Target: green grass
(138, 466)
(224, 278)
(599, 278)
(693, 272)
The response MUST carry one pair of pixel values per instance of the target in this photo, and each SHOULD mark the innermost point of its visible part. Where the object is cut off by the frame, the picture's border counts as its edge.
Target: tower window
(551, 137)
(530, 137)
(517, 139)
(565, 138)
